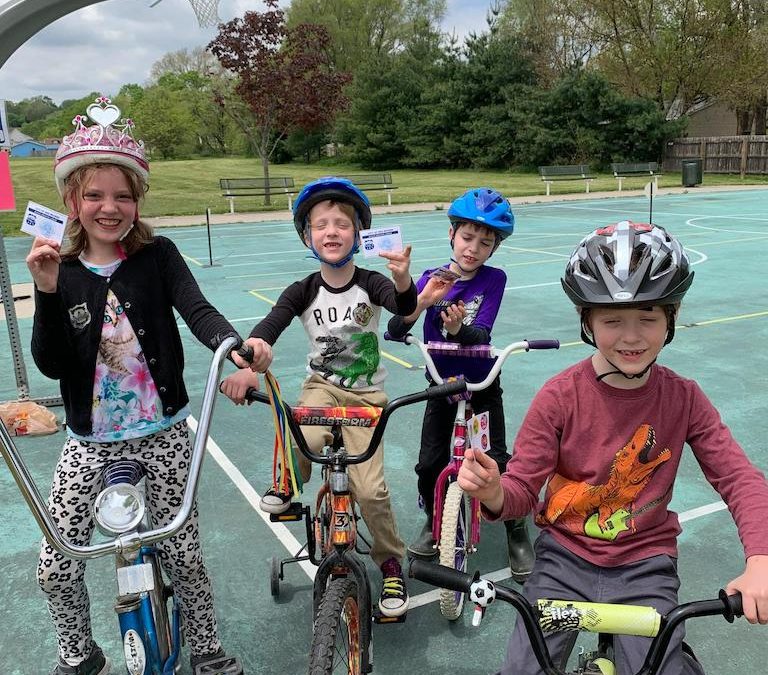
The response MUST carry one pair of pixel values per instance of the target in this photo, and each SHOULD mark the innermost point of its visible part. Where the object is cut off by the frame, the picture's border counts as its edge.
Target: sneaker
(217, 663)
(95, 664)
(424, 546)
(521, 555)
(394, 598)
(275, 502)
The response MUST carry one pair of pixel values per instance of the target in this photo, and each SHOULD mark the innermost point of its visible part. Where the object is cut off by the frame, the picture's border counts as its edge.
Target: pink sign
(7, 201)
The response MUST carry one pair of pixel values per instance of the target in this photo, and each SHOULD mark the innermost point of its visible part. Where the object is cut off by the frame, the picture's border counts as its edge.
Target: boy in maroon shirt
(606, 436)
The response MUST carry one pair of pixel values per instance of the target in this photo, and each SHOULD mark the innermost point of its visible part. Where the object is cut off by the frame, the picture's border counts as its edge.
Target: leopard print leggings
(77, 480)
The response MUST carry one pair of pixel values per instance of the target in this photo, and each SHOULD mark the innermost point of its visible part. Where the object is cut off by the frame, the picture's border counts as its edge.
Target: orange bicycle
(342, 608)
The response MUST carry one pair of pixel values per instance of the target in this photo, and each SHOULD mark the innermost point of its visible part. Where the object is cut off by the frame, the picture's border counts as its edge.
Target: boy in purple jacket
(606, 436)
(463, 311)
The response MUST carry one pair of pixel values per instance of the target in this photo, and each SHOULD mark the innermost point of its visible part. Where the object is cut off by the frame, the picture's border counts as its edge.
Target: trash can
(693, 170)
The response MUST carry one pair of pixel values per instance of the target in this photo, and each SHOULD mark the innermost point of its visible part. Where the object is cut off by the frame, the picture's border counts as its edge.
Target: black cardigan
(149, 284)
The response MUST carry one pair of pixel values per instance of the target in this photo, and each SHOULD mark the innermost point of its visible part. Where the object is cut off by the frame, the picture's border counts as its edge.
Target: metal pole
(22, 382)
(208, 227)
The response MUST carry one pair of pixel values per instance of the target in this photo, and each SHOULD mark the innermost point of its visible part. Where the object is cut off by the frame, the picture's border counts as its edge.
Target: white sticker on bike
(135, 656)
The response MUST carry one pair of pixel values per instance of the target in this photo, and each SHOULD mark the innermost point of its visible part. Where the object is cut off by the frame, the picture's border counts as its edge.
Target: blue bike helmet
(334, 189)
(484, 206)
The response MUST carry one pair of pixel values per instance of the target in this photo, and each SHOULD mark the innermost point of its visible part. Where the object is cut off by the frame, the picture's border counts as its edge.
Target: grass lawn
(184, 187)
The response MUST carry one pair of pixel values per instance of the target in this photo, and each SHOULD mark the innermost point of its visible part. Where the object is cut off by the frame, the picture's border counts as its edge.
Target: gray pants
(560, 574)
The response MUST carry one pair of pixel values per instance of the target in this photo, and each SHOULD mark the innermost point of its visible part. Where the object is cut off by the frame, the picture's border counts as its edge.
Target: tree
(386, 98)
(284, 76)
(743, 81)
(552, 35)
(366, 31)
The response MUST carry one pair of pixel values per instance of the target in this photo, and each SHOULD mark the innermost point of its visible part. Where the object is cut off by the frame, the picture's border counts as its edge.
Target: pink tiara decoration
(109, 140)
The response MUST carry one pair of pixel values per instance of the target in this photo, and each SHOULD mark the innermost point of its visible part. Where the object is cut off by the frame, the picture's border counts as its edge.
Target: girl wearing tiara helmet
(104, 327)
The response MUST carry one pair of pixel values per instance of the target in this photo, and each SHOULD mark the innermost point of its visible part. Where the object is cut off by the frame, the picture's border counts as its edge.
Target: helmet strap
(618, 371)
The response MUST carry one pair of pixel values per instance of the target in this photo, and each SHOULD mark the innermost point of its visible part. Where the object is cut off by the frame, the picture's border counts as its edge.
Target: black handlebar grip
(438, 575)
(447, 389)
(255, 395)
(388, 336)
(543, 344)
(733, 606)
(245, 352)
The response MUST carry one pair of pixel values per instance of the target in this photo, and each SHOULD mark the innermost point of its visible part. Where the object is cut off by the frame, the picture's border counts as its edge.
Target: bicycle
(151, 633)
(549, 616)
(456, 518)
(341, 595)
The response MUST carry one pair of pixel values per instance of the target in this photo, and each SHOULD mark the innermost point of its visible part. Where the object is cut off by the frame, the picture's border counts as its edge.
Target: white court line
(180, 322)
(280, 531)
(503, 573)
(727, 230)
(700, 511)
(517, 288)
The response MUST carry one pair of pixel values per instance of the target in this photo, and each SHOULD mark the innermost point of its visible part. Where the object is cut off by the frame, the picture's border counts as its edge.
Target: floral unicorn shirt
(126, 403)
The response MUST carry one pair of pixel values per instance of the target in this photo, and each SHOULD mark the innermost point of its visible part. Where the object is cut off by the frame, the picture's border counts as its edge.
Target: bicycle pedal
(378, 617)
(227, 665)
(294, 512)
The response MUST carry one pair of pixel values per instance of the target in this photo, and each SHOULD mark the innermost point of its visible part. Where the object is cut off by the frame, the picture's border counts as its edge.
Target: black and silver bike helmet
(628, 265)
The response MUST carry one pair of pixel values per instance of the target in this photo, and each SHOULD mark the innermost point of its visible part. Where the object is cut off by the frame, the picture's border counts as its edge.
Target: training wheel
(274, 577)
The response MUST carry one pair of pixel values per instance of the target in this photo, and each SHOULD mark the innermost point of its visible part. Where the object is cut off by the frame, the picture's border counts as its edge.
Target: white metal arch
(21, 19)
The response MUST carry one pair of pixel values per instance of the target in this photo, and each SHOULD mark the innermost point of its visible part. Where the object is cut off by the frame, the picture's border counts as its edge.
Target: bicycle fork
(450, 474)
(151, 644)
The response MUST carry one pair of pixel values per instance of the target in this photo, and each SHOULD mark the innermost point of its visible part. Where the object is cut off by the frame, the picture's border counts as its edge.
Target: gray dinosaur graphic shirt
(342, 325)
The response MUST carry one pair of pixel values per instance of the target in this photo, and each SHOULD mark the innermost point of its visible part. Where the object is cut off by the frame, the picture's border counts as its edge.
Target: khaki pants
(366, 480)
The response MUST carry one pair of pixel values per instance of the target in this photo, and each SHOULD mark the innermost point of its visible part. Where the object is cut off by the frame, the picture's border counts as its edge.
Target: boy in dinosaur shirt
(339, 307)
(607, 436)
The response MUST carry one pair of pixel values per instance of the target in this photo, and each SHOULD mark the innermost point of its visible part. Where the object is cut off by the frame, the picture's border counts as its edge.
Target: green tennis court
(721, 343)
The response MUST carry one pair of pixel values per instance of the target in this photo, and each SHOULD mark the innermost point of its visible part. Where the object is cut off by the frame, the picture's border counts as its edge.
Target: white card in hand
(40, 221)
(383, 239)
(479, 432)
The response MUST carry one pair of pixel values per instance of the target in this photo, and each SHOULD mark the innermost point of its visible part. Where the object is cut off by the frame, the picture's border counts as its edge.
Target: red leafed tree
(285, 79)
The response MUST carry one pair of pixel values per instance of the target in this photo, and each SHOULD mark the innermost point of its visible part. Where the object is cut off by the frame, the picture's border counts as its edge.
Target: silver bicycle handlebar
(501, 356)
(132, 540)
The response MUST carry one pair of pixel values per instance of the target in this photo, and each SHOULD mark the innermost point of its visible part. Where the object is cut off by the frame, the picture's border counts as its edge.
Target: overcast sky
(106, 45)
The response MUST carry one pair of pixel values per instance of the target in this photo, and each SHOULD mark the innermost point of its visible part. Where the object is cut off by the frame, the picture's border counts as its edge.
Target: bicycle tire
(454, 534)
(339, 618)
(274, 577)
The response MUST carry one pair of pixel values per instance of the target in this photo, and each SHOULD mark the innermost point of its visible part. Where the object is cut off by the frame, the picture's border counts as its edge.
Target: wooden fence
(721, 154)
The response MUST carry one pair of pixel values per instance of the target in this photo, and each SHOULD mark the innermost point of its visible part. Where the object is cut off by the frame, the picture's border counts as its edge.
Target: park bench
(637, 169)
(232, 188)
(373, 181)
(566, 172)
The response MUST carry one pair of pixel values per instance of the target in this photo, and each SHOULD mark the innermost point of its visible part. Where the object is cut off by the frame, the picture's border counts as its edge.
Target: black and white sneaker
(275, 502)
(95, 664)
(394, 598)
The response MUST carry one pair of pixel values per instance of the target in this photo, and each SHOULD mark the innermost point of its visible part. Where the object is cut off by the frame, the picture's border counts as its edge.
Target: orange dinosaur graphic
(573, 503)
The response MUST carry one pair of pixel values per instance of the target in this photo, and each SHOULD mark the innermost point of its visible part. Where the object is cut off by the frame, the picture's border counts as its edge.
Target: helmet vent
(607, 255)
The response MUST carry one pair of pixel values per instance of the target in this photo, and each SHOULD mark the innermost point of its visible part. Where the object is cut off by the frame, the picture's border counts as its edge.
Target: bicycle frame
(336, 552)
(151, 643)
(570, 615)
(458, 441)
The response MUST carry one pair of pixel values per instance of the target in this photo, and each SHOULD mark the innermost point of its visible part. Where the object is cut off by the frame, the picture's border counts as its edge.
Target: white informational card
(40, 221)
(383, 239)
(479, 432)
